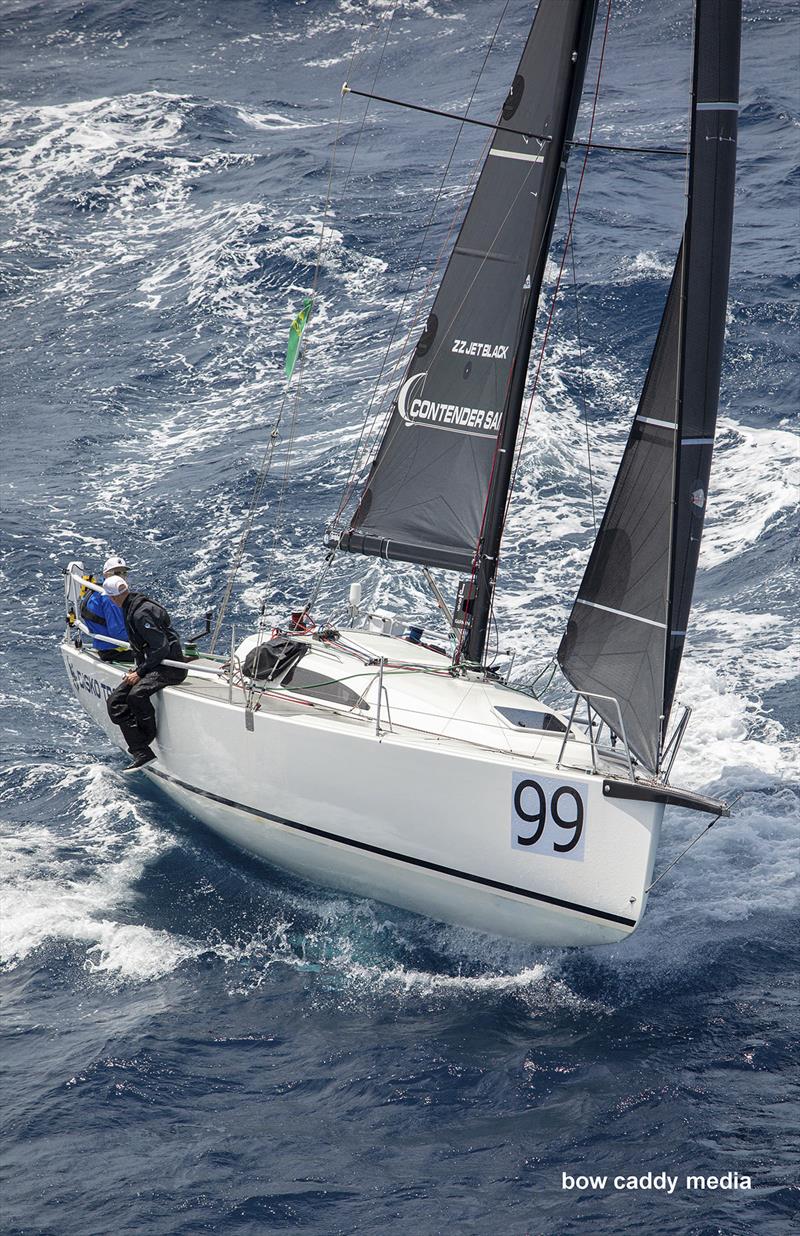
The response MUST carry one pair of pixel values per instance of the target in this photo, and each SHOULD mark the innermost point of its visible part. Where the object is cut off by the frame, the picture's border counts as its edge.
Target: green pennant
(295, 335)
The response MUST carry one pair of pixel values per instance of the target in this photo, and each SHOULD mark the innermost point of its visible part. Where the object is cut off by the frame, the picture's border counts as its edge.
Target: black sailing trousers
(132, 710)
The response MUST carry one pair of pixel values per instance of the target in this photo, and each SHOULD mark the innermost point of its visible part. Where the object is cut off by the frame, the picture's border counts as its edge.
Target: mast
(707, 251)
(437, 488)
(626, 633)
(485, 570)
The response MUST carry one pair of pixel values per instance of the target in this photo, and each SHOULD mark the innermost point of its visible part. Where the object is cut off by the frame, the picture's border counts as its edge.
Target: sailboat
(362, 756)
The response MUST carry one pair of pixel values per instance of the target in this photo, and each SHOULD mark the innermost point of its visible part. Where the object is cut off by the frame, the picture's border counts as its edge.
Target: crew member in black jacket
(153, 639)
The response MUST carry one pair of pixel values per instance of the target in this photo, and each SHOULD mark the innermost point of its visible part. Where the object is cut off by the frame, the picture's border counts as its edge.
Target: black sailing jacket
(150, 632)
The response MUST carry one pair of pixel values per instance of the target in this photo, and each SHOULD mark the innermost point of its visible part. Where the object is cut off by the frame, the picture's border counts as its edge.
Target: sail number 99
(548, 817)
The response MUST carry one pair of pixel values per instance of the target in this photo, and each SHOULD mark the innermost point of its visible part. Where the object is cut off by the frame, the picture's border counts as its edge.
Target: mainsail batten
(426, 496)
(644, 559)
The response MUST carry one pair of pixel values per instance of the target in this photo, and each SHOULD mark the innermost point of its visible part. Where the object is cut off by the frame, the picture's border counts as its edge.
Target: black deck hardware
(664, 794)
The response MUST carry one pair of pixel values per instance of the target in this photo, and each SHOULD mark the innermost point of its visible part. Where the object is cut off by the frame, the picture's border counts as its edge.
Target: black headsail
(626, 633)
(440, 466)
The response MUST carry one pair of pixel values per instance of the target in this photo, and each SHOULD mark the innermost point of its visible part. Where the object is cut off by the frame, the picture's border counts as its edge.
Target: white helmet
(114, 564)
(115, 586)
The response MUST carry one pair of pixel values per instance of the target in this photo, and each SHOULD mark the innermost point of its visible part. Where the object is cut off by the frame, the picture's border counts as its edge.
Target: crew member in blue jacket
(103, 617)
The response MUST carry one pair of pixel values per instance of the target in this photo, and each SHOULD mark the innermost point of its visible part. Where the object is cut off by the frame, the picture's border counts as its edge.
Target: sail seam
(651, 420)
(485, 256)
(621, 613)
(517, 154)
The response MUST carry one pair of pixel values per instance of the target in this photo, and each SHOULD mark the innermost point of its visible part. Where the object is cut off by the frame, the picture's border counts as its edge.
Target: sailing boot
(139, 759)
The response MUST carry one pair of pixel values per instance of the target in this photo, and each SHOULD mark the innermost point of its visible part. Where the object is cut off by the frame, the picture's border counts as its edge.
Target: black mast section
(563, 126)
(707, 241)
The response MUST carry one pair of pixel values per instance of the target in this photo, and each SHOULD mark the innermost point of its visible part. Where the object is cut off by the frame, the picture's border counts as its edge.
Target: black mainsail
(625, 636)
(437, 487)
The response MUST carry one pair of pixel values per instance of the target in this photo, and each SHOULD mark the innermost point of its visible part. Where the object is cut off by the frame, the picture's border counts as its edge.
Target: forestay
(426, 493)
(626, 633)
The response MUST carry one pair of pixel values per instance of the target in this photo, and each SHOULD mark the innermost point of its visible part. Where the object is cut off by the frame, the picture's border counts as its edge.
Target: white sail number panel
(548, 817)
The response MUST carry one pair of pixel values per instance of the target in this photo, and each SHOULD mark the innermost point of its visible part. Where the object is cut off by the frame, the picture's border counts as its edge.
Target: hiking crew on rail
(153, 640)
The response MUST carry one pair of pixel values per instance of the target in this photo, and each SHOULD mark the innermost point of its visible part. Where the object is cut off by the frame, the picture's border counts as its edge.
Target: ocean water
(192, 1041)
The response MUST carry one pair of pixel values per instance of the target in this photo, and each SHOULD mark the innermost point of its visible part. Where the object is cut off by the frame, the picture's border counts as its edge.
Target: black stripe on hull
(401, 858)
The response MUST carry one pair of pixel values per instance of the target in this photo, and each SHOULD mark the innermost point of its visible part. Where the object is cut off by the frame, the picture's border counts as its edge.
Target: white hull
(419, 820)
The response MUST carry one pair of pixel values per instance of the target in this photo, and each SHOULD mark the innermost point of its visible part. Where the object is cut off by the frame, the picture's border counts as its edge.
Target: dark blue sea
(192, 1041)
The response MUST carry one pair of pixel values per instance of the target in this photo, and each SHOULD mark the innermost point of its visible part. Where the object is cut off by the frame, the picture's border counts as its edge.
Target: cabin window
(316, 684)
(533, 719)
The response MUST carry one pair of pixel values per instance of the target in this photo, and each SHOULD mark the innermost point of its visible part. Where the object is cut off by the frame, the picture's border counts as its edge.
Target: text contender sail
(626, 633)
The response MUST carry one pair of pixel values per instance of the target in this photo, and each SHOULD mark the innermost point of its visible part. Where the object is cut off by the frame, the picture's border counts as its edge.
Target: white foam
(273, 121)
(753, 482)
(647, 264)
(354, 952)
(135, 952)
(536, 984)
(64, 882)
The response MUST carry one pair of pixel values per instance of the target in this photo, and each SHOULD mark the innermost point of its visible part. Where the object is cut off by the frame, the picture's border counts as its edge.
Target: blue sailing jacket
(102, 616)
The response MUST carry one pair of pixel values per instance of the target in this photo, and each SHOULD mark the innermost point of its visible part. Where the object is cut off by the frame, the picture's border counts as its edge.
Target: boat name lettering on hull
(548, 817)
(88, 683)
(417, 411)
